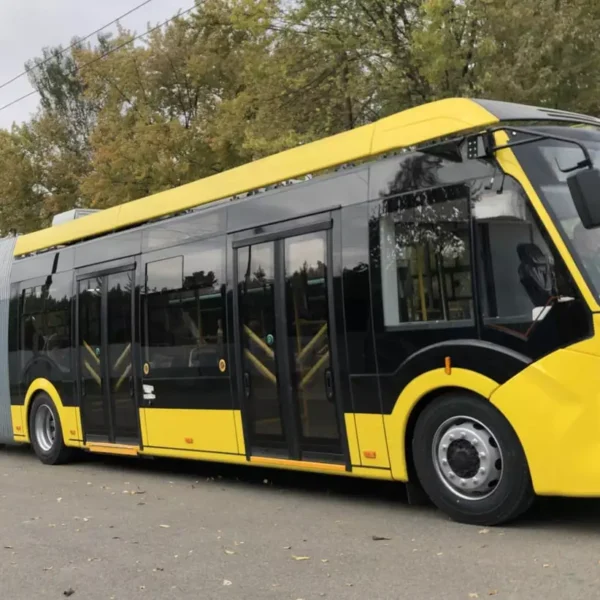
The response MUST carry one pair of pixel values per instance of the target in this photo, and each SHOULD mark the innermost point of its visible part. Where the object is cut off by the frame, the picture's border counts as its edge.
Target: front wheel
(470, 462)
(45, 432)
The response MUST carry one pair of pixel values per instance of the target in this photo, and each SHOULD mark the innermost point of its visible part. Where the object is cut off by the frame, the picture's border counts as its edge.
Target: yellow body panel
(16, 413)
(395, 423)
(554, 407)
(353, 448)
(370, 430)
(69, 415)
(191, 429)
(404, 129)
(239, 431)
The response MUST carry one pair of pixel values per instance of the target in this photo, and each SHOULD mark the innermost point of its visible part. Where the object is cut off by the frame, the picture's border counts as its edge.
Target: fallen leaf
(324, 560)
(69, 592)
(484, 531)
(47, 568)
(473, 595)
(379, 538)
(8, 547)
(158, 569)
(289, 548)
(59, 499)
(229, 552)
(301, 557)
(440, 553)
(545, 565)
(226, 582)
(493, 593)
(164, 526)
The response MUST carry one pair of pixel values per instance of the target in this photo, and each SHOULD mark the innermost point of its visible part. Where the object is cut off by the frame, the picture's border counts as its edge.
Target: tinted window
(418, 170)
(425, 251)
(528, 300)
(185, 310)
(46, 320)
(173, 232)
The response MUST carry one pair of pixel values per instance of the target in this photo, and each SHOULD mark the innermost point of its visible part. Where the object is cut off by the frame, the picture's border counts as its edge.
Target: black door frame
(121, 266)
(328, 222)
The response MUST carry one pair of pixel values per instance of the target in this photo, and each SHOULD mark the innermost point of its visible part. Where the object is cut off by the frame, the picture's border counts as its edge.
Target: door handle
(246, 384)
(131, 387)
(329, 388)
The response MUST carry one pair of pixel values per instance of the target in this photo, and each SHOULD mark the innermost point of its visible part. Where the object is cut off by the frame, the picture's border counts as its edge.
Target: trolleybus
(413, 300)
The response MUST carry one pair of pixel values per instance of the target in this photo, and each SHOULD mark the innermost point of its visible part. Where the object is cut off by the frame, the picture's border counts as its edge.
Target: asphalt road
(106, 528)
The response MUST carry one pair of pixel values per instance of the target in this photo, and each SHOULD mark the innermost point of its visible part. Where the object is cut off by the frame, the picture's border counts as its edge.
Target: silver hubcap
(467, 458)
(45, 428)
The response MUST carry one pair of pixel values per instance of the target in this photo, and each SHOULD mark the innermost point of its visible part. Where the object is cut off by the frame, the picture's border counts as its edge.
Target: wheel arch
(37, 387)
(414, 398)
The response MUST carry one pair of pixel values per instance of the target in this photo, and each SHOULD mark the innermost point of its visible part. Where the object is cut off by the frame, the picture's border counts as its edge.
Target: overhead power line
(73, 45)
(107, 53)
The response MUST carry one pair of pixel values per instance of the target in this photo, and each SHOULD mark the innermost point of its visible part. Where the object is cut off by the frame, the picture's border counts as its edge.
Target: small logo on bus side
(222, 365)
(146, 368)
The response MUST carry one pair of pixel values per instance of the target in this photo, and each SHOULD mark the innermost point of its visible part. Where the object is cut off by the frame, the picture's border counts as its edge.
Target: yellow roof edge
(409, 127)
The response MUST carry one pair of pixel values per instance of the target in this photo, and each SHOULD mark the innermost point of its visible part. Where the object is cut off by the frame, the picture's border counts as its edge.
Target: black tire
(55, 453)
(511, 492)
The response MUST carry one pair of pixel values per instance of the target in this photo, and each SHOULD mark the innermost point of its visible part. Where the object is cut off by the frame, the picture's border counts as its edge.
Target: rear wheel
(45, 432)
(470, 462)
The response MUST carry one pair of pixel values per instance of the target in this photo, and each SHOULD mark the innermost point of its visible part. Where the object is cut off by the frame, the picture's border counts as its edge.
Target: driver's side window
(522, 278)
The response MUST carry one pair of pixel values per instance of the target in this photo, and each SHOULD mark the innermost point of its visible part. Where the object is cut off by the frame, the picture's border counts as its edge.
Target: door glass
(94, 410)
(120, 363)
(308, 338)
(257, 323)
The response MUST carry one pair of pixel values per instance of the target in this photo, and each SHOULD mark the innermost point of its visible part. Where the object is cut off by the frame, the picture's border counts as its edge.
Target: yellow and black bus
(414, 300)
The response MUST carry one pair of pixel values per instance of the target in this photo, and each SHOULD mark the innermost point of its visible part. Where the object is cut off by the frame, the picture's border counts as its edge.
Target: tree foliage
(239, 79)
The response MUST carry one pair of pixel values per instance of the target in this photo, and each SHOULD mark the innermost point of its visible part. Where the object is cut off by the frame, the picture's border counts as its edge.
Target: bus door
(285, 335)
(105, 318)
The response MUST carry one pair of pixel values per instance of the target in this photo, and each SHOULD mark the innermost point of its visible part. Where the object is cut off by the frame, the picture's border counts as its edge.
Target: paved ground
(105, 528)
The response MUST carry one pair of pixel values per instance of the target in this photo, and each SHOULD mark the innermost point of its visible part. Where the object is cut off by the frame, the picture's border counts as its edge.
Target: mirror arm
(491, 148)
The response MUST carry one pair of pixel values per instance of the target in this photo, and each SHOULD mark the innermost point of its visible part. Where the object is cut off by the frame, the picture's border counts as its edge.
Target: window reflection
(425, 257)
(308, 333)
(185, 310)
(46, 328)
(257, 316)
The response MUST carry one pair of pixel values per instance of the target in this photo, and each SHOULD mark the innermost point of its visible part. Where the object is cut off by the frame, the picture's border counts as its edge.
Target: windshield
(544, 163)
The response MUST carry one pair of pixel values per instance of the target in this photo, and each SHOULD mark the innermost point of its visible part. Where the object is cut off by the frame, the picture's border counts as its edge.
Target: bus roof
(407, 128)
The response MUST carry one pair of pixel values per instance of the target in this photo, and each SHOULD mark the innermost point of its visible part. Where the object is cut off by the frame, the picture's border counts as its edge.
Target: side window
(425, 251)
(46, 320)
(520, 272)
(185, 311)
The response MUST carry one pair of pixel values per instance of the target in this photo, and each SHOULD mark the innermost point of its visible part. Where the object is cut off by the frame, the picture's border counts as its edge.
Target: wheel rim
(467, 458)
(45, 428)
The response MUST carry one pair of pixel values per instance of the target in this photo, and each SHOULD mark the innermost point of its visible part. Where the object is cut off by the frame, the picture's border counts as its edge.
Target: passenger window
(424, 245)
(46, 322)
(185, 311)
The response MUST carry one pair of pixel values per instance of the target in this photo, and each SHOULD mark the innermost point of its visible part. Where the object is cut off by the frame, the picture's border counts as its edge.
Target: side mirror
(585, 190)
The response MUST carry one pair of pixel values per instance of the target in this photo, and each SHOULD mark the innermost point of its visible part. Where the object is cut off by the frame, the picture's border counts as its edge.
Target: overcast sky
(27, 26)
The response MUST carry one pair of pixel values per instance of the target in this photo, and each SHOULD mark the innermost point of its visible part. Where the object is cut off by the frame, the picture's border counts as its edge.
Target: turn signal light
(448, 365)
(370, 454)
(189, 440)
